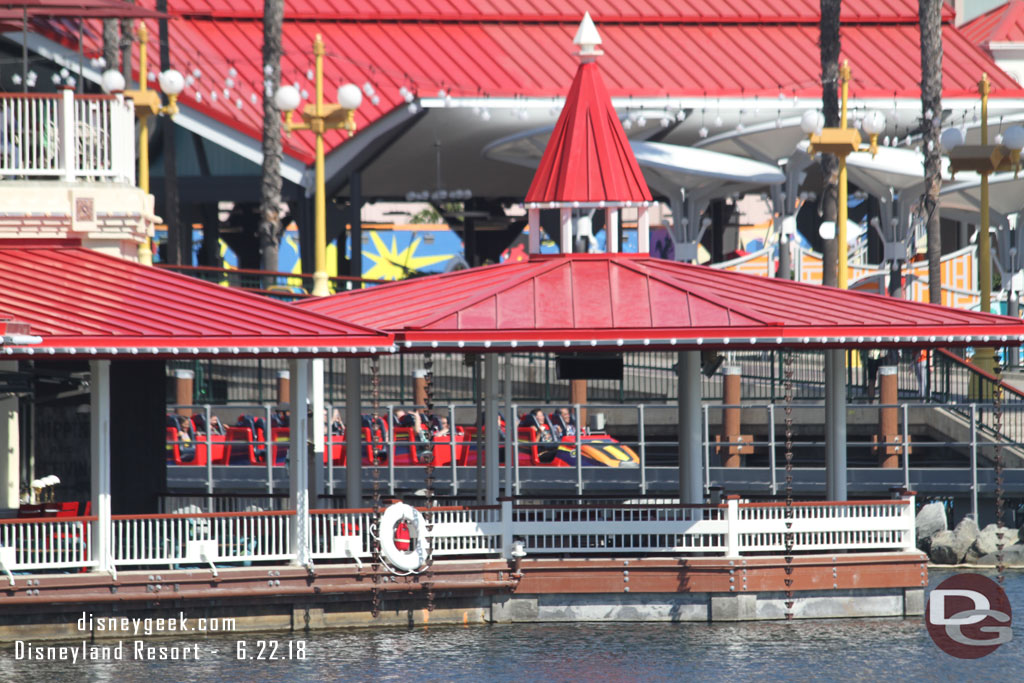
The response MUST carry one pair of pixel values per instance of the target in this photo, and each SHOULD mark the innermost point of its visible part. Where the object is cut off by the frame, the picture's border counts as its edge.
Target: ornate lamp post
(841, 141)
(984, 159)
(320, 117)
(147, 103)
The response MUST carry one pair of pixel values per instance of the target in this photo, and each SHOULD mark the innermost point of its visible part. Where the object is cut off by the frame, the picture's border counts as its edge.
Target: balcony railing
(67, 137)
(213, 540)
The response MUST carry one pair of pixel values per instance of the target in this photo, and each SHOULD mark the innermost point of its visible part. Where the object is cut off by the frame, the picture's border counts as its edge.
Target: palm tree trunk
(110, 43)
(829, 201)
(125, 45)
(270, 228)
(931, 110)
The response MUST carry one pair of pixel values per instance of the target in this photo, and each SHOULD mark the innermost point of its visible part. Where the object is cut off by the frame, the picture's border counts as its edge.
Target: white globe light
(350, 96)
(112, 81)
(812, 122)
(287, 98)
(1013, 137)
(874, 122)
(951, 138)
(172, 82)
(827, 230)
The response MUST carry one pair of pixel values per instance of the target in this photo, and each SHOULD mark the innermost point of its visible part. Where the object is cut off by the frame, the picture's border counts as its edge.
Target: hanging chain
(375, 535)
(428, 518)
(997, 414)
(788, 514)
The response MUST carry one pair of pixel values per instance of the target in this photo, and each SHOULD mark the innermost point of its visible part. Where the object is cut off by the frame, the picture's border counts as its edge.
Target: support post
(643, 231)
(66, 142)
(835, 424)
(318, 429)
(578, 396)
(284, 390)
(888, 454)
(732, 454)
(611, 226)
(184, 381)
(10, 447)
(99, 446)
(298, 463)
(732, 526)
(535, 229)
(353, 434)
(491, 430)
(974, 463)
(565, 233)
(688, 370)
(771, 448)
(511, 434)
(419, 387)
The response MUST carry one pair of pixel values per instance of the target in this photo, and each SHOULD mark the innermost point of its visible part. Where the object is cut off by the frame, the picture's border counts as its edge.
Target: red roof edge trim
(442, 18)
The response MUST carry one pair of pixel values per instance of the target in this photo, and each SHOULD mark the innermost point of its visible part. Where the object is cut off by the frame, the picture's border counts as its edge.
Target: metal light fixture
(439, 194)
(320, 117)
(841, 142)
(147, 103)
(984, 159)
(112, 81)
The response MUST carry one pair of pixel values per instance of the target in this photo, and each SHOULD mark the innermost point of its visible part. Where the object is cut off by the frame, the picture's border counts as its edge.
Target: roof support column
(643, 230)
(534, 217)
(353, 434)
(298, 462)
(690, 482)
(99, 447)
(10, 447)
(511, 428)
(317, 429)
(835, 424)
(565, 234)
(492, 429)
(611, 226)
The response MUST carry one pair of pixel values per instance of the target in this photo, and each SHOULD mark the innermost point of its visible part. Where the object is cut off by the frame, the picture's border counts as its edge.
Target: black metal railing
(648, 377)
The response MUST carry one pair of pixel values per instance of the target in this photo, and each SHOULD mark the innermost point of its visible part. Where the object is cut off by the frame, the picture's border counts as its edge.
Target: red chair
(280, 435)
(173, 447)
(334, 451)
(443, 449)
(245, 450)
(218, 450)
(31, 510)
(405, 447)
(529, 453)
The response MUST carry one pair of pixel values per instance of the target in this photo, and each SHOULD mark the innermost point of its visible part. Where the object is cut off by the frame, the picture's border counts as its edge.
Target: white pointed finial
(588, 39)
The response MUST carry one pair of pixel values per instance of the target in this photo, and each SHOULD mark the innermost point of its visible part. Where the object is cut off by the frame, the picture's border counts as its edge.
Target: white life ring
(415, 557)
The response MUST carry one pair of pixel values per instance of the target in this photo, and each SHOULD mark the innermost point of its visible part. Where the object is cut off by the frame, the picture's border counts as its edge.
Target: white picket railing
(466, 531)
(855, 525)
(68, 137)
(582, 529)
(340, 534)
(48, 543)
(201, 538)
(343, 534)
(731, 529)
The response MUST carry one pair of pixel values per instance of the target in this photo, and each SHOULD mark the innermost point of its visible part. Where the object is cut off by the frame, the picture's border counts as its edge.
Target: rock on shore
(966, 543)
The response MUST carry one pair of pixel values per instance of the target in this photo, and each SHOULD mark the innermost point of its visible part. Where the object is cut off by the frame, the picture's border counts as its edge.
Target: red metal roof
(635, 301)
(1004, 24)
(739, 48)
(81, 301)
(588, 157)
